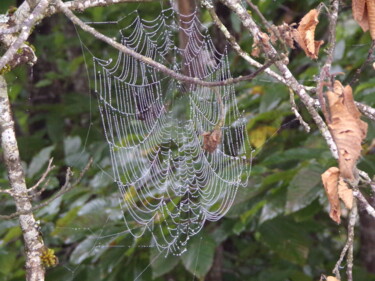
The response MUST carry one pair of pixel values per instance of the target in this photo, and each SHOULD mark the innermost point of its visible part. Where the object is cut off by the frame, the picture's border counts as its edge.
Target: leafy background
(278, 228)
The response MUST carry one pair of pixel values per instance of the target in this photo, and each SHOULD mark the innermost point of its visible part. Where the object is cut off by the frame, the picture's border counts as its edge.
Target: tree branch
(363, 203)
(325, 72)
(290, 80)
(149, 61)
(355, 78)
(33, 241)
(27, 25)
(348, 248)
(64, 189)
(233, 42)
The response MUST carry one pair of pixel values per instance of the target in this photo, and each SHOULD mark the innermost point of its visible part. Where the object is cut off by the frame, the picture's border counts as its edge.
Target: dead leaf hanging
(330, 179)
(364, 14)
(305, 34)
(346, 127)
(345, 194)
(211, 140)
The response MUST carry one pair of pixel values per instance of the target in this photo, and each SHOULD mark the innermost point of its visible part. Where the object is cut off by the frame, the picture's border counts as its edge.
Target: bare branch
(149, 61)
(267, 24)
(363, 203)
(326, 69)
(295, 111)
(27, 25)
(43, 177)
(233, 42)
(348, 248)
(290, 80)
(64, 189)
(366, 110)
(369, 58)
(33, 241)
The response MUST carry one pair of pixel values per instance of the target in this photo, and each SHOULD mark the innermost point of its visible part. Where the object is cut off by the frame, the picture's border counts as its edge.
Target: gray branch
(147, 60)
(290, 80)
(33, 240)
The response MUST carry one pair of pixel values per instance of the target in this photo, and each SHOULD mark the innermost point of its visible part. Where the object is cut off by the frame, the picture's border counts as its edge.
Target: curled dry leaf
(211, 140)
(330, 179)
(346, 127)
(331, 278)
(345, 194)
(285, 31)
(262, 40)
(364, 14)
(305, 34)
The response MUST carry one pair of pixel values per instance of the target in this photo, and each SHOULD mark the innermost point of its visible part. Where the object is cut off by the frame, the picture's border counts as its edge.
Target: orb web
(171, 179)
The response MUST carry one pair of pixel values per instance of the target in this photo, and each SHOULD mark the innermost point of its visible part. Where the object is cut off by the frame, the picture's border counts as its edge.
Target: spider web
(157, 130)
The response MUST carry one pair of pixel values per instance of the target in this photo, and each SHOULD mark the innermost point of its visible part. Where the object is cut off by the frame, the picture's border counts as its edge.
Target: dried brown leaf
(364, 14)
(345, 194)
(331, 278)
(330, 179)
(346, 127)
(211, 140)
(305, 34)
(285, 31)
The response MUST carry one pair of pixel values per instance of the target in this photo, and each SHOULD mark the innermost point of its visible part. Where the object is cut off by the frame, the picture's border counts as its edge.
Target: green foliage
(278, 228)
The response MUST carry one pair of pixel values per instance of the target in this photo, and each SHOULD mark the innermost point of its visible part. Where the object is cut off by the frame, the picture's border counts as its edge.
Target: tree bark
(33, 241)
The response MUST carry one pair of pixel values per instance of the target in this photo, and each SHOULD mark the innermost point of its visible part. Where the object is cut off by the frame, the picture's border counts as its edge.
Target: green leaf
(13, 233)
(39, 160)
(160, 263)
(304, 188)
(199, 257)
(7, 261)
(286, 238)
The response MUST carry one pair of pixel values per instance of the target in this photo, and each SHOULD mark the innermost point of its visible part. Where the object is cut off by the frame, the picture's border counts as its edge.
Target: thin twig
(43, 177)
(147, 60)
(348, 248)
(296, 113)
(290, 80)
(64, 189)
(370, 57)
(31, 189)
(366, 110)
(233, 42)
(267, 24)
(325, 72)
(363, 203)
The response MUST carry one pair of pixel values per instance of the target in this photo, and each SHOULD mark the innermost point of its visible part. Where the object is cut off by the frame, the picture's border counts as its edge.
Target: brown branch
(348, 248)
(267, 24)
(64, 189)
(370, 57)
(149, 61)
(233, 42)
(290, 80)
(43, 177)
(325, 72)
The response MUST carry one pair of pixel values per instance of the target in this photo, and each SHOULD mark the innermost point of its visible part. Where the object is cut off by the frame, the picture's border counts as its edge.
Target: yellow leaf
(130, 193)
(259, 136)
(257, 90)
